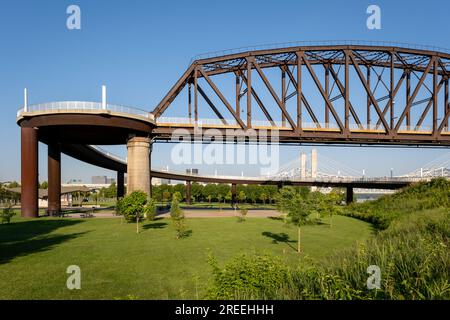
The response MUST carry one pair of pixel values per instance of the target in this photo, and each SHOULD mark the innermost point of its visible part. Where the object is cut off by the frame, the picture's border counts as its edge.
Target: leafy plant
(7, 213)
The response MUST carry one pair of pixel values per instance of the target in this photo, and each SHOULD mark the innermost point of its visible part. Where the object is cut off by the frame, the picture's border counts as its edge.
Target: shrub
(132, 205)
(150, 209)
(7, 213)
(243, 214)
(258, 276)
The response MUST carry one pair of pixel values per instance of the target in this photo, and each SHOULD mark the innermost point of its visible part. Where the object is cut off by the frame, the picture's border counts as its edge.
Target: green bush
(420, 196)
(6, 214)
(132, 205)
(245, 276)
(150, 209)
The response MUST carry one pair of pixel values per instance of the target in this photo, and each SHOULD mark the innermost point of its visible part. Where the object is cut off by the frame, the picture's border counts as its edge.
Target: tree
(229, 196)
(295, 203)
(196, 191)
(178, 218)
(241, 196)
(6, 214)
(165, 196)
(43, 185)
(263, 197)
(132, 207)
(243, 212)
(150, 209)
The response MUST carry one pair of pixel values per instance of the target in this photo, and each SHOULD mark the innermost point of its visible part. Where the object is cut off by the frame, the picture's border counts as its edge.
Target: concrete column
(54, 179)
(138, 174)
(29, 173)
(120, 184)
(188, 192)
(313, 163)
(349, 195)
(233, 193)
(303, 166)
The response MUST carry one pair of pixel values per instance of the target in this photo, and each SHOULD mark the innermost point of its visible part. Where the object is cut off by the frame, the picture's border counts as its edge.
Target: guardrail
(219, 53)
(83, 106)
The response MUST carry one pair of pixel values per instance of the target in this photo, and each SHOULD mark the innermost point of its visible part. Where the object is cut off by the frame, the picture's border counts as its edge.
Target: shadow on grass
(28, 237)
(280, 237)
(155, 225)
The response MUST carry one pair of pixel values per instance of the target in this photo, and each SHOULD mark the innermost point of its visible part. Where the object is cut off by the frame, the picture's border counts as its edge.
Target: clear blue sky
(140, 48)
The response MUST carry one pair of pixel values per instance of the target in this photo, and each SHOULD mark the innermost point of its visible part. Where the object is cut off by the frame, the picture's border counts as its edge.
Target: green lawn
(116, 262)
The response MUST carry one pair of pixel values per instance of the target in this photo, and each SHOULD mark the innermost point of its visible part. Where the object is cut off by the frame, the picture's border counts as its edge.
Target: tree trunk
(331, 221)
(137, 224)
(298, 242)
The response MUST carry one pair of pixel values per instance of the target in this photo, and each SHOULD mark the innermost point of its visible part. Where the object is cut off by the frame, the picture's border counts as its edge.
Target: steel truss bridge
(325, 94)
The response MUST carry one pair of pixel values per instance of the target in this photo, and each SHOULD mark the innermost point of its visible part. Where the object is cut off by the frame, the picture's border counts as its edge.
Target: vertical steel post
(249, 93)
(54, 179)
(120, 184)
(299, 90)
(29, 173)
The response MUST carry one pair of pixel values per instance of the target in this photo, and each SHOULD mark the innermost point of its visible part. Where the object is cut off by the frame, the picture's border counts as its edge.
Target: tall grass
(412, 250)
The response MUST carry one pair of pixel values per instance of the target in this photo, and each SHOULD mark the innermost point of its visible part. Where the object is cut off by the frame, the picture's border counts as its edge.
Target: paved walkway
(216, 213)
(193, 213)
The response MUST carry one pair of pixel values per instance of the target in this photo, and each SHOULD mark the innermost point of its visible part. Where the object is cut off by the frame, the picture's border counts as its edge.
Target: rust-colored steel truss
(405, 94)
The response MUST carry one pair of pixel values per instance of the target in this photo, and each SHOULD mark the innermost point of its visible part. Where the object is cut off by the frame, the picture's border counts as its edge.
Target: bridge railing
(219, 53)
(83, 106)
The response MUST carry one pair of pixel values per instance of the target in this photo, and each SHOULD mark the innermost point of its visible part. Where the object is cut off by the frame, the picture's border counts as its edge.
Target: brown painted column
(120, 184)
(233, 193)
(54, 179)
(29, 173)
(188, 192)
(349, 195)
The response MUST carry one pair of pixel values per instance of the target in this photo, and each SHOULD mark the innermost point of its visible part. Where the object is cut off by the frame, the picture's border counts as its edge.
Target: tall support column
(29, 173)
(120, 184)
(233, 193)
(139, 174)
(349, 195)
(303, 165)
(313, 163)
(54, 179)
(188, 193)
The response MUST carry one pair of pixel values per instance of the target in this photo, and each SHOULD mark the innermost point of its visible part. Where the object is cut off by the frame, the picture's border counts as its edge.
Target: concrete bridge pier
(349, 195)
(138, 158)
(188, 192)
(54, 179)
(120, 184)
(29, 173)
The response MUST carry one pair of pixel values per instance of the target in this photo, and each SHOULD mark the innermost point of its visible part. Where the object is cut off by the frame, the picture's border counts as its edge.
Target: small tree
(7, 214)
(150, 209)
(243, 214)
(132, 207)
(263, 197)
(295, 204)
(241, 196)
(178, 218)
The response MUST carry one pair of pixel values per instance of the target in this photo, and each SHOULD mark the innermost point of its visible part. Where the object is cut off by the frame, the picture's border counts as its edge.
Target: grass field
(117, 263)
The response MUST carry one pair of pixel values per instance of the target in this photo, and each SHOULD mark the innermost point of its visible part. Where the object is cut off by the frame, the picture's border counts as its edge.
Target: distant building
(192, 171)
(99, 179)
(102, 180)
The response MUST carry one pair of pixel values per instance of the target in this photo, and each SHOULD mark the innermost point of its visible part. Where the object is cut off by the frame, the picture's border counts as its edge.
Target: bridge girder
(372, 68)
